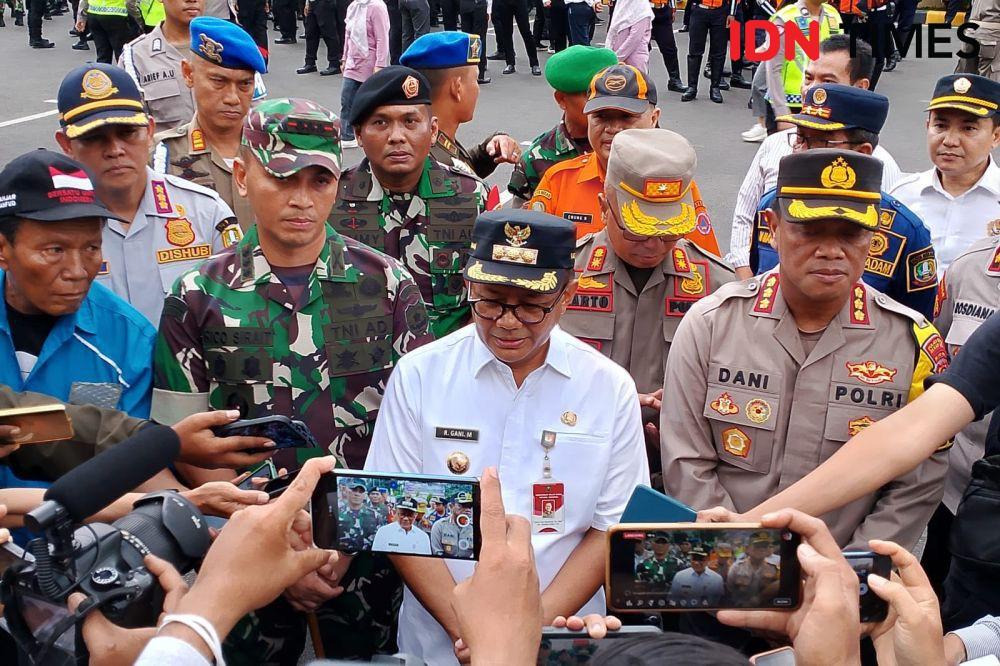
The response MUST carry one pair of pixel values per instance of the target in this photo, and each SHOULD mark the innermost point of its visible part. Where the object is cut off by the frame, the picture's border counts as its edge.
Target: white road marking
(24, 119)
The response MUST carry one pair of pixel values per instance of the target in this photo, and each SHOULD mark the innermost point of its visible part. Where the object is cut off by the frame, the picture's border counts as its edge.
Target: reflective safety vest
(152, 12)
(793, 71)
(107, 8)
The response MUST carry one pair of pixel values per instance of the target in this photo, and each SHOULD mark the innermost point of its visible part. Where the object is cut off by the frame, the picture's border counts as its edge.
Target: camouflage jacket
(547, 149)
(231, 338)
(475, 162)
(658, 571)
(430, 231)
(356, 529)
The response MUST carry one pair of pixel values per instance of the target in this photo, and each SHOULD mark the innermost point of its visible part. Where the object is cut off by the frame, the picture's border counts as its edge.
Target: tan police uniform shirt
(184, 151)
(155, 66)
(746, 413)
(635, 328)
(968, 295)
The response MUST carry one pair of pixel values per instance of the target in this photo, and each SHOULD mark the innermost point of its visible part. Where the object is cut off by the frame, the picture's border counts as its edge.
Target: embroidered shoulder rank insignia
(197, 140)
(597, 258)
(994, 267)
(859, 306)
(681, 264)
(765, 298)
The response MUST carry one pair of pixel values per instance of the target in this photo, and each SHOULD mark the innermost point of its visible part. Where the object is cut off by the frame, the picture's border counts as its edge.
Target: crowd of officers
(239, 266)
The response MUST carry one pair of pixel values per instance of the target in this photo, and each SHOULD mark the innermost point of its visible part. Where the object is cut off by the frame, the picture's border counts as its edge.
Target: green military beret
(571, 69)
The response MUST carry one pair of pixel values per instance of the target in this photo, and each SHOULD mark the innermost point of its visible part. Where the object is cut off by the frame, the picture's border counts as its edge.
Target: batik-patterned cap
(288, 135)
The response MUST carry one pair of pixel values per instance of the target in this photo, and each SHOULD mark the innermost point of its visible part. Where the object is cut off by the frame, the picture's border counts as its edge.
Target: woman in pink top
(629, 32)
(366, 50)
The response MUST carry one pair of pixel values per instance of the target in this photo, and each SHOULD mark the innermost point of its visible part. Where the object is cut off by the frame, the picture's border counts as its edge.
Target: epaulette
(698, 252)
(184, 184)
(889, 304)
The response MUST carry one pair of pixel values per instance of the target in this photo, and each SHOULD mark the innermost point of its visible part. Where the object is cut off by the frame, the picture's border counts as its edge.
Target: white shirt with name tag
(392, 538)
(453, 396)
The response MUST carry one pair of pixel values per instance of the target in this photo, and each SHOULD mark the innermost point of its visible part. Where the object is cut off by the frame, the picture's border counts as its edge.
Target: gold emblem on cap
(411, 87)
(522, 255)
(569, 418)
(516, 234)
(839, 174)
(819, 95)
(642, 224)
(615, 82)
(97, 85)
(962, 85)
(458, 462)
(475, 48)
(210, 48)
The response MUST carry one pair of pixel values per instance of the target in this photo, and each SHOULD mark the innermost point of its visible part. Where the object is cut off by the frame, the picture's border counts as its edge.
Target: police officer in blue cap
(449, 61)
(839, 116)
(220, 70)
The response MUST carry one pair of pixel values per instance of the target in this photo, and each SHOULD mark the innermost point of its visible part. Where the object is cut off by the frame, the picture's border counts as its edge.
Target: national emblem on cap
(443, 50)
(391, 86)
(962, 85)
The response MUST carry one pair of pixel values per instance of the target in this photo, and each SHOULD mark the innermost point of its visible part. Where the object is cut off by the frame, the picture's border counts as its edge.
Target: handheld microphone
(88, 488)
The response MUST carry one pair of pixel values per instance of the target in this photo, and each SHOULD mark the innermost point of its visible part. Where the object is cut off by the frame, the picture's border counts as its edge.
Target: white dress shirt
(392, 538)
(763, 176)
(456, 383)
(955, 223)
(692, 589)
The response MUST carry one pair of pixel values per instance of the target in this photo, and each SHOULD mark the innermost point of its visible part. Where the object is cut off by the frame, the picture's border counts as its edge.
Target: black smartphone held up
(279, 484)
(873, 608)
(563, 646)
(702, 566)
(265, 470)
(410, 514)
(283, 431)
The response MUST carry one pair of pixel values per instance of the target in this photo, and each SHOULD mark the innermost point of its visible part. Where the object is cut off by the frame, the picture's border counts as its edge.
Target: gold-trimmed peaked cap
(971, 93)
(651, 172)
(96, 94)
(522, 248)
(824, 184)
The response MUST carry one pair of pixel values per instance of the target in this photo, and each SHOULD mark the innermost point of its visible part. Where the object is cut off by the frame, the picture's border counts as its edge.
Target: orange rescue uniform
(569, 190)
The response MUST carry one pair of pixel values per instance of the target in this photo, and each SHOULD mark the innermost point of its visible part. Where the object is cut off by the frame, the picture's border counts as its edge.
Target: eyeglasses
(636, 238)
(796, 140)
(526, 313)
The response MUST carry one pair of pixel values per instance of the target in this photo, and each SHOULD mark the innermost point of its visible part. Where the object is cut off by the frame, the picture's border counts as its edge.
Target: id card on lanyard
(548, 495)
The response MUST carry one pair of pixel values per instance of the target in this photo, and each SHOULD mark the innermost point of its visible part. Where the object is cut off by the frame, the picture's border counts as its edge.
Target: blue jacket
(900, 262)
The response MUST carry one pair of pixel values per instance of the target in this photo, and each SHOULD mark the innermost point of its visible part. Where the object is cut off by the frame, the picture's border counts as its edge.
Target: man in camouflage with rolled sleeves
(295, 320)
(569, 72)
(361, 521)
(401, 201)
(661, 567)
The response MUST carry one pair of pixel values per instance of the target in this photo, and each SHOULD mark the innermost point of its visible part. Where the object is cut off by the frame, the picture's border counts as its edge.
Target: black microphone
(88, 488)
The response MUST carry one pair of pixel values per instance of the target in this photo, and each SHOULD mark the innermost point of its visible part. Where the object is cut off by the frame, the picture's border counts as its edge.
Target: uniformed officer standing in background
(768, 377)
(569, 72)
(663, 34)
(639, 275)
(356, 523)
(453, 536)
(986, 15)
(154, 61)
(173, 223)
(402, 202)
(253, 328)
(221, 74)
(709, 22)
(661, 567)
(901, 261)
(449, 61)
(753, 578)
(112, 24)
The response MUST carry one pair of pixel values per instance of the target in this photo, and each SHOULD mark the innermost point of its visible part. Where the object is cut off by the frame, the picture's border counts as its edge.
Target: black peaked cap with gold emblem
(522, 248)
(971, 93)
(391, 86)
(826, 184)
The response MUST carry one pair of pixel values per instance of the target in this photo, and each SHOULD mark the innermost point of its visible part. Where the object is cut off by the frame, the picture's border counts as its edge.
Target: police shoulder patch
(921, 270)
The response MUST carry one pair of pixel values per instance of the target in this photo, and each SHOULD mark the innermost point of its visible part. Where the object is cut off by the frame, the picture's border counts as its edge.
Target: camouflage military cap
(288, 135)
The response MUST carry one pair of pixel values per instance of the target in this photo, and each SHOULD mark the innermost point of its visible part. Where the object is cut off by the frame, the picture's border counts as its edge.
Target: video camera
(103, 561)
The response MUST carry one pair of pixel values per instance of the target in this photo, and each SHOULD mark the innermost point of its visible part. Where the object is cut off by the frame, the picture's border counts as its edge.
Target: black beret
(392, 86)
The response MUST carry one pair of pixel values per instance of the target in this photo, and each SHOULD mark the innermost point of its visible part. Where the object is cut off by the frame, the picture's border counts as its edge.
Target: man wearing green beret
(569, 73)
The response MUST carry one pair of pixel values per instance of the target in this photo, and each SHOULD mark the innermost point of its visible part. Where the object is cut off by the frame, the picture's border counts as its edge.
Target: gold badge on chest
(458, 462)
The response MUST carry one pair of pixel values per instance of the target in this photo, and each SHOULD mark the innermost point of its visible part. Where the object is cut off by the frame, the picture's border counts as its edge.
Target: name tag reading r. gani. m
(463, 434)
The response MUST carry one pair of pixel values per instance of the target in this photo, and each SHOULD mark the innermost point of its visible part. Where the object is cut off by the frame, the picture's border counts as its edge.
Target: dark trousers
(474, 22)
(951, 8)
(706, 24)
(347, 93)
(906, 13)
(451, 11)
(284, 18)
(687, 14)
(936, 559)
(558, 25)
(395, 31)
(663, 35)
(506, 12)
(253, 18)
(110, 34)
(878, 34)
(580, 17)
(321, 23)
(36, 9)
(538, 27)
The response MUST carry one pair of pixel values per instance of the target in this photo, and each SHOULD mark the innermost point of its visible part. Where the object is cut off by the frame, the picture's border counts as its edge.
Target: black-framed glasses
(526, 313)
(796, 140)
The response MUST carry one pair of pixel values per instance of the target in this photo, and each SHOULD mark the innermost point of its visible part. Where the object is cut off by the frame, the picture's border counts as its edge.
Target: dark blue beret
(225, 44)
(441, 50)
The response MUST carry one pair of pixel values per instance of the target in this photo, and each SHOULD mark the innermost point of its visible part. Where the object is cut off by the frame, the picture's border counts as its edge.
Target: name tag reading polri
(461, 434)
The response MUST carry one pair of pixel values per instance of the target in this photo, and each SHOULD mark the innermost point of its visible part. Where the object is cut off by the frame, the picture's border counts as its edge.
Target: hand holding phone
(283, 431)
(35, 425)
(864, 563)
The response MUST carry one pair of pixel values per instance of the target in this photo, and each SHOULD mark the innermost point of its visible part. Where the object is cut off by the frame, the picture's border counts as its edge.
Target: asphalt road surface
(519, 104)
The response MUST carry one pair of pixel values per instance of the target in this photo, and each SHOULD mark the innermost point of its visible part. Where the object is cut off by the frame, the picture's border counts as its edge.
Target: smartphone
(562, 646)
(283, 431)
(873, 608)
(265, 470)
(39, 424)
(278, 484)
(651, 506)
(783, 656)
(11, 553)
(411, 514)
(702, 566)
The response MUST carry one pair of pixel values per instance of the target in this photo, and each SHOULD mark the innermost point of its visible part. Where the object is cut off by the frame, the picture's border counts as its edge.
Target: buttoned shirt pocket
(863, 389)
(162, 99)
(239, 365)
(743, 424)
(575, 459)
(597, 329)
(447, 282)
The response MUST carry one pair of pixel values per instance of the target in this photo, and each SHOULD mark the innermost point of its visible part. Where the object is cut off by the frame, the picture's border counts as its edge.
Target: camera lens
(168, 526)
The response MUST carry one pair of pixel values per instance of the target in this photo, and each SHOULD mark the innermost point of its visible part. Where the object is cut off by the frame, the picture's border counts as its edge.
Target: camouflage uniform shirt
(357, 528)
(232, 337)
(429, 231)
(547, 149)
(658, 571)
